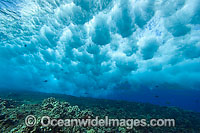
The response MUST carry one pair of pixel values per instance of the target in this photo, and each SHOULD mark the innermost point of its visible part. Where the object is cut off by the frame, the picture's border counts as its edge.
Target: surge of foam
(99, 47)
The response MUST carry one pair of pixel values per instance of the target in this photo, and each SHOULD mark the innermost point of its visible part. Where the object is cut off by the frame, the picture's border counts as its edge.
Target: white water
(101, 47)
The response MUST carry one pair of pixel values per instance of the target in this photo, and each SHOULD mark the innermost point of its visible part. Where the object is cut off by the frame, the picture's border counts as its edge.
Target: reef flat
(15, 106)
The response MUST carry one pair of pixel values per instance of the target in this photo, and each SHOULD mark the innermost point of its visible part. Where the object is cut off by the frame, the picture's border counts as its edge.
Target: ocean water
(134, 50)
(146, 51)
(143, 56)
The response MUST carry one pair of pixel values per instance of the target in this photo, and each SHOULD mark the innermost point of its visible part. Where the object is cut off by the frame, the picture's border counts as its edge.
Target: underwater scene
(99, 66)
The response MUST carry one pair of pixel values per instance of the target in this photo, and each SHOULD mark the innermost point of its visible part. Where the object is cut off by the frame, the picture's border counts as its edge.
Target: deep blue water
(145, 51)
(185, 99)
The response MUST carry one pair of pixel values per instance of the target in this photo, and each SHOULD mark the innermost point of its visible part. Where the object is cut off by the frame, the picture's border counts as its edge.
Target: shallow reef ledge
(14, 112)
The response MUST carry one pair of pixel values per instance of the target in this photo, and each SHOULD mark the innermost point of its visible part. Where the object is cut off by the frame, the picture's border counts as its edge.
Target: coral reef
(12, 117)
(14, 112)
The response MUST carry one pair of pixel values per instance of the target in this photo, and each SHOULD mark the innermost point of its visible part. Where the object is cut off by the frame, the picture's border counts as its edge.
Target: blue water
(145, 51)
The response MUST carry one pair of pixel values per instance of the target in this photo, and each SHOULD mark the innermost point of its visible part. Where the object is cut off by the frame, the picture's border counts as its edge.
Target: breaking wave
(99, 47)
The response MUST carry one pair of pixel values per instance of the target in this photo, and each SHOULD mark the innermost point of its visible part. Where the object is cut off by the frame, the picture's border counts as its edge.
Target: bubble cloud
(99, 47)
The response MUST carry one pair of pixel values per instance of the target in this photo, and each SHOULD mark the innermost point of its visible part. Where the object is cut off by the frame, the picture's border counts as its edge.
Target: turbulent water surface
(100, 48)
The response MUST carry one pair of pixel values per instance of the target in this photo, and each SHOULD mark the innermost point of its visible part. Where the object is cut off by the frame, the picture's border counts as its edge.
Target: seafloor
(15, 106)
